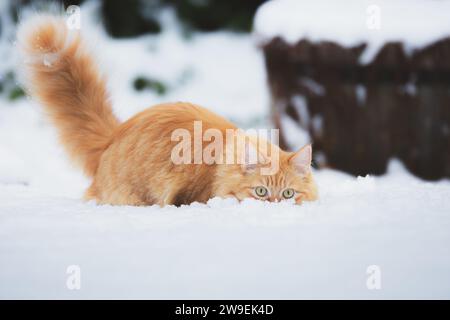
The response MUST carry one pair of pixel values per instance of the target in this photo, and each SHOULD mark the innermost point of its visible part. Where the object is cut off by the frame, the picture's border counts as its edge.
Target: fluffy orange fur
(130, 163)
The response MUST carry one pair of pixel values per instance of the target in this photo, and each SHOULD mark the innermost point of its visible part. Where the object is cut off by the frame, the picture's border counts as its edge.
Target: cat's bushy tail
(62, 76)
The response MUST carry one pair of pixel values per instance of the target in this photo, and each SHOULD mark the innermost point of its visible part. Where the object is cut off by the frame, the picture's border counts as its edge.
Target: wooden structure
(398, 105)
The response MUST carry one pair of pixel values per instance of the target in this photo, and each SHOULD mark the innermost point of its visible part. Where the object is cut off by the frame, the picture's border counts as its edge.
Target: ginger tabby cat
(131, 162)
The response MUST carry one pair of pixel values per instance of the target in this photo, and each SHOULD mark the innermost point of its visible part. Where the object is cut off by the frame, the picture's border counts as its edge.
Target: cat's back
(168, 117)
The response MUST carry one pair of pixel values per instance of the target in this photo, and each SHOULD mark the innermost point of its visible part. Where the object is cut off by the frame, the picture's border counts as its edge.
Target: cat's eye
(261, 191)
(288, 193)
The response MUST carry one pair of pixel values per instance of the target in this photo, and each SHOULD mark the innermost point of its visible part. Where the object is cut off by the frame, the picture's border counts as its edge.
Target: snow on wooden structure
(367, 82)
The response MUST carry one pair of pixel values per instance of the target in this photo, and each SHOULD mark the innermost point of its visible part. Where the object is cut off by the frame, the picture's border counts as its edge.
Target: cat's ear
(301, 160)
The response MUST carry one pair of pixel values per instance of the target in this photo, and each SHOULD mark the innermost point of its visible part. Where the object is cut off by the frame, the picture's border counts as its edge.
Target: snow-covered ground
(230, 250)
(222, 249)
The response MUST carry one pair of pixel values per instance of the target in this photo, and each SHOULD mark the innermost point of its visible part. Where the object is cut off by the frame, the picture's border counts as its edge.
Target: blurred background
(362, 90)
(162, 49)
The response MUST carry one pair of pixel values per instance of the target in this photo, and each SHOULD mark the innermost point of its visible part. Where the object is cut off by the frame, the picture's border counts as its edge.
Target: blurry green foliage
(213, 15)
(143, 83)
(130, 18)
(9, 87)
(135, 17)
(16, 93)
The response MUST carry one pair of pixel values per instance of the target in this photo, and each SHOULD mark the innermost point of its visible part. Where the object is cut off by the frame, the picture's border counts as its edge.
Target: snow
(222, 249)
(361, 94)
(313, 86)
(294, 135)
(230, 250)
(300, 104)
(416, 23)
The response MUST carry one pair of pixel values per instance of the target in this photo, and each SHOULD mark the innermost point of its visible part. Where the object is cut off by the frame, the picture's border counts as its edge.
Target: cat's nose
(274, 199)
